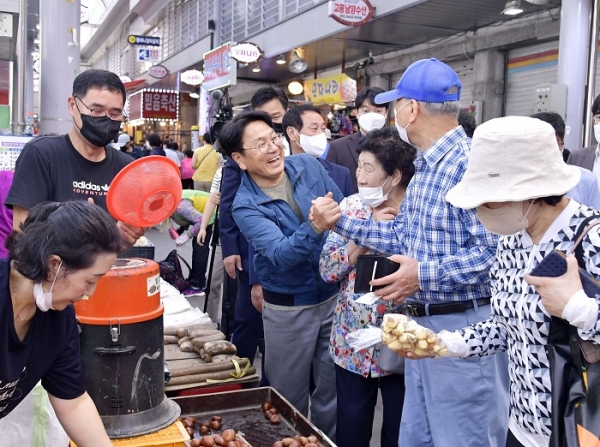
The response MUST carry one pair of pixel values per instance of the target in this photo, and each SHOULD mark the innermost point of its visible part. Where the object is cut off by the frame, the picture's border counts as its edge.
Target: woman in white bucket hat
(516, 179)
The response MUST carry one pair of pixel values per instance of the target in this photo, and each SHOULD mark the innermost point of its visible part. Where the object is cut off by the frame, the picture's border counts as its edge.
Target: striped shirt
(453, 249)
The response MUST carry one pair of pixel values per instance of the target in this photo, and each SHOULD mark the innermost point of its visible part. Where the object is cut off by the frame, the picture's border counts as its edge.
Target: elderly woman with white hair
(516, 179)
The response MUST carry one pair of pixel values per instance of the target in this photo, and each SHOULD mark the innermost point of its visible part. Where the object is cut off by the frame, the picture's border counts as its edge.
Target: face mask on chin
(371, 121)
(43, 300)
(314, 145)
(506, 220)
(99, 131)
(597, 132)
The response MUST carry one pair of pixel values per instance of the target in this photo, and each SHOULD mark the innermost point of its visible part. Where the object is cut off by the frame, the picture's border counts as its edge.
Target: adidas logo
(89, 186)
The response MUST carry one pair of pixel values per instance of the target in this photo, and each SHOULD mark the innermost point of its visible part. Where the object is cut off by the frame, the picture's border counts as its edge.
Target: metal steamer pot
(122, 350)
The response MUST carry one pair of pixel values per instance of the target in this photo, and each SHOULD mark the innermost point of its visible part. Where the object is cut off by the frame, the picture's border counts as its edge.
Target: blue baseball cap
(427, 80)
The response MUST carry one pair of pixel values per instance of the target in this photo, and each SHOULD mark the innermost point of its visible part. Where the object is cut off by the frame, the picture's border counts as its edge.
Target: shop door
(526, 68)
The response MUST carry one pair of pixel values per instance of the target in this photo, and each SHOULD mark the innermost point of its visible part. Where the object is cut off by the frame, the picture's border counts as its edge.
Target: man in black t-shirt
(79, 165)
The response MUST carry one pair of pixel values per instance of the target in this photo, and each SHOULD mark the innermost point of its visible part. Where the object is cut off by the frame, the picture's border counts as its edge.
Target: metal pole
(588, 128)
(575, 21)
(18, 100)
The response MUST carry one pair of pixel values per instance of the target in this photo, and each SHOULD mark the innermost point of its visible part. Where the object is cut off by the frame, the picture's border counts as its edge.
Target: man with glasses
(271, 210)
(589, 157)
(81, 164)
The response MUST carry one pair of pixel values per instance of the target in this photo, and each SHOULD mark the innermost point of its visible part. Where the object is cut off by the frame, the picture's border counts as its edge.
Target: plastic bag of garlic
(398, 332)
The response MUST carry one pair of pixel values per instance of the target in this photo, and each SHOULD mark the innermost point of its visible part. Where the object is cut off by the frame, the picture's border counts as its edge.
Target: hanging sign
(351, 12)
(158, 71)
(153, 104)
(192, 77)
(144, 40)
(332, 89)
(218, 69)
(246, 52)
(148, 54)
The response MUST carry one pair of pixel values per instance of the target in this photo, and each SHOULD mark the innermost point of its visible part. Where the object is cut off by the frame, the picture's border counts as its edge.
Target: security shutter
(528, 67)
(465, 69)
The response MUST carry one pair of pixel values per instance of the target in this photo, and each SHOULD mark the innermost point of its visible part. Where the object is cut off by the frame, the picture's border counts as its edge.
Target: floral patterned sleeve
(188, 212)
(334, 265)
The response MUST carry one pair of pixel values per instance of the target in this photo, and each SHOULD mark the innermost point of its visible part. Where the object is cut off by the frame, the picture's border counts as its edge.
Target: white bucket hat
(512, 159)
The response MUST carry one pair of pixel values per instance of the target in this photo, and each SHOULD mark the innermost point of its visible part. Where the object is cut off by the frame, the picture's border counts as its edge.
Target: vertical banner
(204, 103)
(220, 70)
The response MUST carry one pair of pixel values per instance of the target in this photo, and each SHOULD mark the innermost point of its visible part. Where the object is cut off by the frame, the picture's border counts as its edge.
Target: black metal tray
(241, 411)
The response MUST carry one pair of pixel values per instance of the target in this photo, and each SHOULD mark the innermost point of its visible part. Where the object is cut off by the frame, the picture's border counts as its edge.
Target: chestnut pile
(208, 437)
(298, 441)
(271, 413)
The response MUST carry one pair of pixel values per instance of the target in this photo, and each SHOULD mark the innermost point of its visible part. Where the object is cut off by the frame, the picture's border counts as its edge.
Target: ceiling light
(194, 95)
(297, 64)
(295, 88)
(256, 69)
(538, 2)
(512, 8)
(281, 60)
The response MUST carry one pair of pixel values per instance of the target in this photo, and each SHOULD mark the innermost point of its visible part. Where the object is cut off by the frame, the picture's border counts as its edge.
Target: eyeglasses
(115, 116)
(263, 146)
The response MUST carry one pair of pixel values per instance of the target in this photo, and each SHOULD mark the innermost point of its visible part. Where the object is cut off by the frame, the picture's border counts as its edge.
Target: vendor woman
(57, 258)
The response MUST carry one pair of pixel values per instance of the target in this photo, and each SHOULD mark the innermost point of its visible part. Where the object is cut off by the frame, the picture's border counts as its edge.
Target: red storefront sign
(219, 69)
(351, 12)
(160, 105)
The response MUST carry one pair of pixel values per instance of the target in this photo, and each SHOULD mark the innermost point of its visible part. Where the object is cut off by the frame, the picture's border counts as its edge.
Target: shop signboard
(158, 71)
(10, 149)
(246, 52)
(219, 71)
(134, 106)
(192, 77)
(351, 12)
(148, 54)
(144, 40)
(160, 105)
(332, 89)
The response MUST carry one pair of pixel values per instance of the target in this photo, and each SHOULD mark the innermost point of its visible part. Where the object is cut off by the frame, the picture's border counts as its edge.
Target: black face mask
(278, 127)
(100, 130)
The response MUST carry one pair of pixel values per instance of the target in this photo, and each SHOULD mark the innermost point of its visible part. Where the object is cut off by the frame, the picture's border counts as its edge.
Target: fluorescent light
(194, 95)
(512, 8)
(256, 69)
(281, 60)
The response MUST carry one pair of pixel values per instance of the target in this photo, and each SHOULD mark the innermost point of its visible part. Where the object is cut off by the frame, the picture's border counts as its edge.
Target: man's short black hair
(555, 120)
(368, 94)
(596, 106)
(266, 94)
(154, 140)
(467, 122)
(232, 132)
(100, 79)
(293, 118)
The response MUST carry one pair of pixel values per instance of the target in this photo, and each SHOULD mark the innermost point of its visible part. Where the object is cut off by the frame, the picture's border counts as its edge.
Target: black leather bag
(574, 366)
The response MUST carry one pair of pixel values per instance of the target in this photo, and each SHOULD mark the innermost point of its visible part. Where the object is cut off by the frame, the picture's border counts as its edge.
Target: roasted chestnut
(287, 441)
(278, 444)
(219, 440)
(274, 410)
(205, 422)
(233, 444)
(268, 414)
(196, 442)
(229, 435)
(215, 425)
(311, 444)
(303, 440)
(187, 423)
(313, 439)
(216, 418)
(207, 441)
(295, 444)
(276, 419)
(204, 430)
(266, 405)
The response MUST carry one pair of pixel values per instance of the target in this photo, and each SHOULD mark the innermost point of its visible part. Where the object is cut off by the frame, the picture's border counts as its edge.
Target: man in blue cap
(443, 275)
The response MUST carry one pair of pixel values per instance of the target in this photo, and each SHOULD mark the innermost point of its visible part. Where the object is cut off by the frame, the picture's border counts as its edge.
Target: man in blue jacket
(271, 209)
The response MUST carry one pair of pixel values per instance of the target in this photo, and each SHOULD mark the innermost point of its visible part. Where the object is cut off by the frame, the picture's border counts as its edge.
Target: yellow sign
(332, 89)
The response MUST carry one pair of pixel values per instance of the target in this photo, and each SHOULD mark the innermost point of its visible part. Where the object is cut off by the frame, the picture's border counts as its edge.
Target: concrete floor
(164, 244)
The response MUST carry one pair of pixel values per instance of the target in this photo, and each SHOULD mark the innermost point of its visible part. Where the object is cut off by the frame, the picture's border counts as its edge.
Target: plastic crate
(172, 436)
(139, 252)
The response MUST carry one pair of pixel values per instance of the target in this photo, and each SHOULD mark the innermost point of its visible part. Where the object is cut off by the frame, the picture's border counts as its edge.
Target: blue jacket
(340, 175)
(287, 248)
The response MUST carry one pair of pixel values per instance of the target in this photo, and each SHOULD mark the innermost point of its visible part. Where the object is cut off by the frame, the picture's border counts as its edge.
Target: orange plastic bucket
(128, 293)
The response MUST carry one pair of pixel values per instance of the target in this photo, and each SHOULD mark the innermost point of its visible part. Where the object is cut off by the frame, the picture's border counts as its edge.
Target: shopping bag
(170, 271)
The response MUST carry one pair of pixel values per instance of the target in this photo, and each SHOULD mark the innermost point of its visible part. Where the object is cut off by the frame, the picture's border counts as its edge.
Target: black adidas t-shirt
(50, 352)
(51, 169)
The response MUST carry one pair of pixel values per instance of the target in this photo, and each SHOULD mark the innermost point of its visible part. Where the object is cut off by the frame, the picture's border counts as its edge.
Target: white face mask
(401, 130)
(373, 196)
(286, 147)
(597, 132)
(314, 145)
(371, 121)
(43, 300)
(506, 220)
